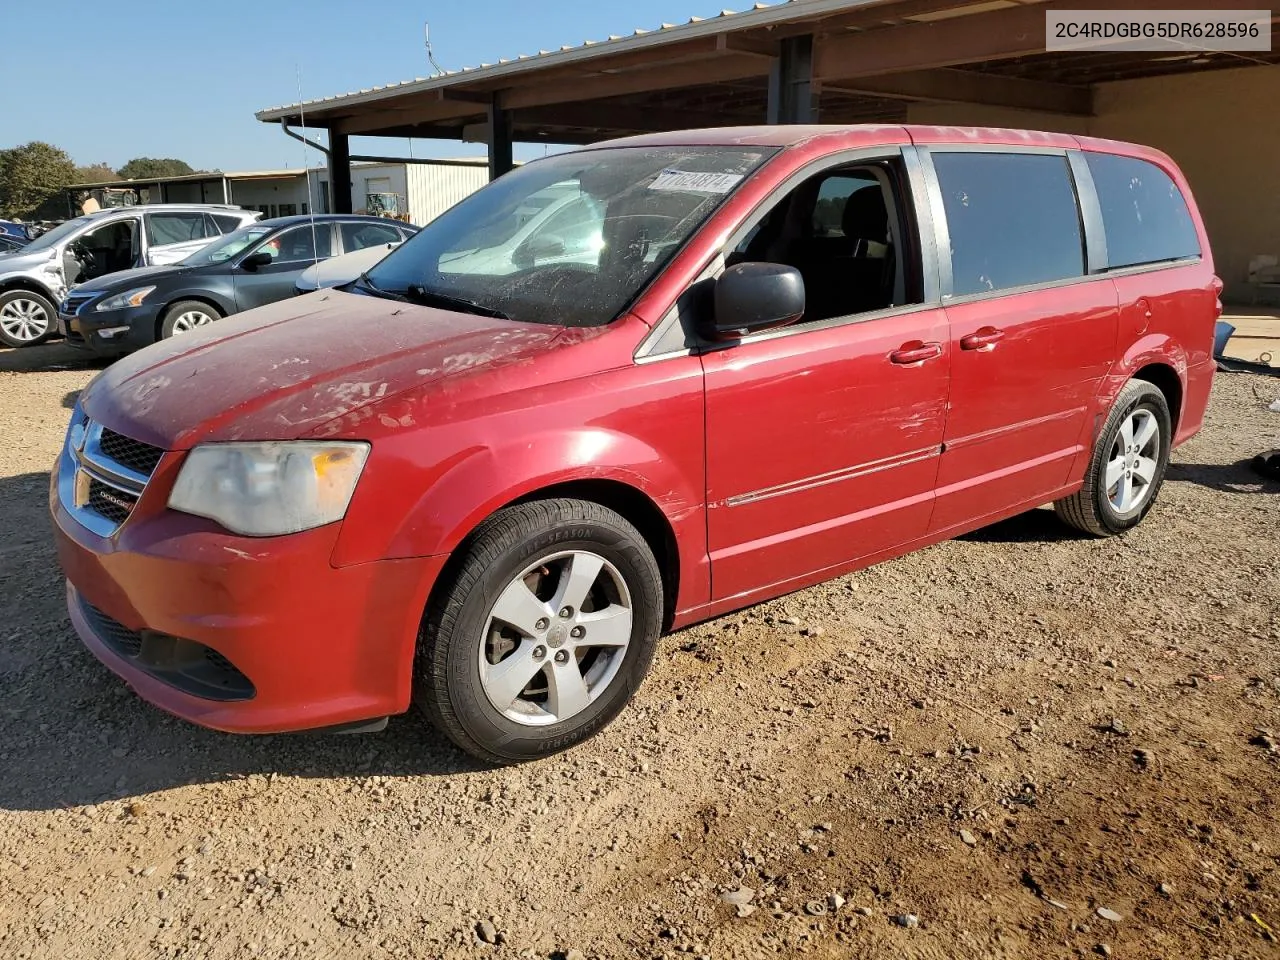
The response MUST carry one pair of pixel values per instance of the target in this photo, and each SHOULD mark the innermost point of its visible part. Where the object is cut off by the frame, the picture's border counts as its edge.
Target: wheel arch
(1165, 378)
(31, 286)
(202, 297)
(628, 501)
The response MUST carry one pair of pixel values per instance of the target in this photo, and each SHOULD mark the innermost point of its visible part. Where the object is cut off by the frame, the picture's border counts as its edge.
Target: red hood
(279, 372)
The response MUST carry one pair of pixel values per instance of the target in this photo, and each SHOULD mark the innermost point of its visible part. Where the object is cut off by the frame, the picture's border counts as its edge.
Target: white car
(343, 269)
(558, 224)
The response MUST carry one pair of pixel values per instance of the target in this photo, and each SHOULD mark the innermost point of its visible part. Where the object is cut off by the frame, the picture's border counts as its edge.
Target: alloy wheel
(190, 319)
(556, 638)
(24, 319)
(1135, 456)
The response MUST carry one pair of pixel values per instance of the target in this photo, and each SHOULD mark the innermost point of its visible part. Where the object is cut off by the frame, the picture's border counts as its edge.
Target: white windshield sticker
(695, 182)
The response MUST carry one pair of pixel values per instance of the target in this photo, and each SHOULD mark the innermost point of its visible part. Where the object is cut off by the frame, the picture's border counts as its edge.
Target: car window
(828, 212)
(166, 228)
(227, 223)
(1012, 218)
(306, 242)
(357, 236)
(1144, 214)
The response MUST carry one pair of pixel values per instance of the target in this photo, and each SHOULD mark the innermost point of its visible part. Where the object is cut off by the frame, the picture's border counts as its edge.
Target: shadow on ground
(1238, 477)
(1035, 526)
(48, 357)
(72, 733)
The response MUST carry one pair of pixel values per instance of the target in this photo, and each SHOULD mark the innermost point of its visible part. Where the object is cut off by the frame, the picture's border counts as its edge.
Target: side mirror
(538, 248)
(256, 260)
(750, 297)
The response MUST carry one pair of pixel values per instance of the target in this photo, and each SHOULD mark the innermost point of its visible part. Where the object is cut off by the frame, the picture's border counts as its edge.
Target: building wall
(433, 190)
(270, 195)
(1219, 127)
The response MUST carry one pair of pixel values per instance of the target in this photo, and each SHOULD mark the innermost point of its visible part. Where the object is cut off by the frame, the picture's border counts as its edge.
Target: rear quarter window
(1012, 218)
(1144, 214)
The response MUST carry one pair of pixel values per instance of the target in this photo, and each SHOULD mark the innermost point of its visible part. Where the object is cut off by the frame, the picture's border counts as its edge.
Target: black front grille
(75, 301)
(184, 664)
(126, 642)
(115, 505)
(134, 454)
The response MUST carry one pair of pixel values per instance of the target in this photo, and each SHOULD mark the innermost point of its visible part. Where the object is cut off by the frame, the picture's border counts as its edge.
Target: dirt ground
(1019, 744)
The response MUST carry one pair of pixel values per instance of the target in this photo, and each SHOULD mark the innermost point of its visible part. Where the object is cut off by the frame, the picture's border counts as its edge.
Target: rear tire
(26, 318)
(543, 632)
(186, 315)
(1128, 465)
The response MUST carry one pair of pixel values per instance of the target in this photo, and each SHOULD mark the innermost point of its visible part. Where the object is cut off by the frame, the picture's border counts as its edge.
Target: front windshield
(59, 233)
(571, 239)
(220, 251)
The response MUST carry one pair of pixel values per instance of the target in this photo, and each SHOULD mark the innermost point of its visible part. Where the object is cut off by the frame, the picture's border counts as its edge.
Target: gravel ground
(1018, 744)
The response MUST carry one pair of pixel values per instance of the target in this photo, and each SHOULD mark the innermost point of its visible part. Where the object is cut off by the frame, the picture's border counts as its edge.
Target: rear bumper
(320, 645)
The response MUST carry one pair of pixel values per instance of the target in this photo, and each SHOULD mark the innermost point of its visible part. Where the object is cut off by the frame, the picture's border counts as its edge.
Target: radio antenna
(431, 57)
(306, 170)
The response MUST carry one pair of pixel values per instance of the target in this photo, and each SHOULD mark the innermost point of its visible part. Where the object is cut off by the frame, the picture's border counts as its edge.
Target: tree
(148, 168)
(31, 177)
(94, 173)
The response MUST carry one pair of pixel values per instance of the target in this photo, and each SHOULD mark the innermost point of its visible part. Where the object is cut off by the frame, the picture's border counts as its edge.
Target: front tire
(187, 315)
(1128, 466)
(26, 318)
(544, 632)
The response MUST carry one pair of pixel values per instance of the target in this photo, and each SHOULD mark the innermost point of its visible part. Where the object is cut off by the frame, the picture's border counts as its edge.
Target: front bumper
(321, 645)
(110, 332)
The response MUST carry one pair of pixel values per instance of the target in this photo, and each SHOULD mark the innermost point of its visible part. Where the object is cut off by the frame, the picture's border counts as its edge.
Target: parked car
(35, 279)
(336, 271)
(253, 266)
(491, 493)
(559, 224)
(11, 244)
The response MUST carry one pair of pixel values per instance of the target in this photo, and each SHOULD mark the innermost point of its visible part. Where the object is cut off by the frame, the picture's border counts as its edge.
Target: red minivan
(621, 390)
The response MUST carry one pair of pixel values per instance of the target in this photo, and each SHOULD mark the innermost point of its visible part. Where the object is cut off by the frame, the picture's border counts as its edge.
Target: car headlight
(269, 489)
(130, 298)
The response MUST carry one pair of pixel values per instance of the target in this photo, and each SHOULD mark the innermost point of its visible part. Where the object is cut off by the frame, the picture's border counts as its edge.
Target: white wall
(1219, 126)
(270, 193)
(434, 189)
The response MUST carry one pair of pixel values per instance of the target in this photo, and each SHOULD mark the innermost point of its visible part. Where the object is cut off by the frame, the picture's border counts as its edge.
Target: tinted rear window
(1012, 217)
(1144, 214)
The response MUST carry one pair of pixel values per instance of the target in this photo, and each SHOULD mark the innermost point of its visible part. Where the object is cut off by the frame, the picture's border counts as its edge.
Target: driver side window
(842, 229)
(106, 249)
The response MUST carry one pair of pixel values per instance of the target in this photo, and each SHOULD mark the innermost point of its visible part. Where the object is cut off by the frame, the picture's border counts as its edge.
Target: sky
(163, 79)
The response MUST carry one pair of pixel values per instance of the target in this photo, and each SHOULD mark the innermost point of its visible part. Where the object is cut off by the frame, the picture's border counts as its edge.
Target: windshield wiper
(421, 295)
(377, 291)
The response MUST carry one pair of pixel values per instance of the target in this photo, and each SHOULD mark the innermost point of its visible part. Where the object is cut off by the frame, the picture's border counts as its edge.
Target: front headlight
(269, 489)
(130, 298)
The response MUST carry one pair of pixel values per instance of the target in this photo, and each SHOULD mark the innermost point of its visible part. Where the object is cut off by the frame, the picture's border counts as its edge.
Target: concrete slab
(1257, 335)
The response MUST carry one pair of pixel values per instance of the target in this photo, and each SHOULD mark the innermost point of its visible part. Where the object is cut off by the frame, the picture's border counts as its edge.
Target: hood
(282, 371)
(124, 279)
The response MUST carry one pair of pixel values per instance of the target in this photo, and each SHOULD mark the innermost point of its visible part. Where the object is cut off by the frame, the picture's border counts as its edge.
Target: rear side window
(1012, 218)
(226, 223)
(1144, 214)
(358, 236)
(165, 228)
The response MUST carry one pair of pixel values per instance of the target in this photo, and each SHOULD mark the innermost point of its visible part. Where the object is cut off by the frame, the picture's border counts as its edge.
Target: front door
(291, 251)
(823, 439)
(822, 446)
(1031, 336)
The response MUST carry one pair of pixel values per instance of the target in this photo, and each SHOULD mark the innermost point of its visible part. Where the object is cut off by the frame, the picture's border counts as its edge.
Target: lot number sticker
(695, 182)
